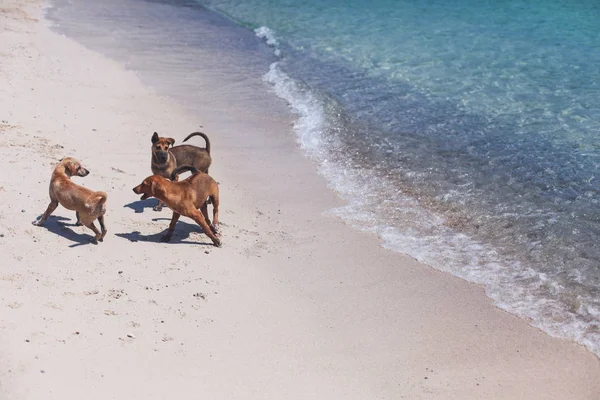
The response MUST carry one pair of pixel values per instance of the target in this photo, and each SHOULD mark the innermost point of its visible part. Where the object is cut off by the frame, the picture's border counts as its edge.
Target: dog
(166, 159)
(88, 205)
(185, 198)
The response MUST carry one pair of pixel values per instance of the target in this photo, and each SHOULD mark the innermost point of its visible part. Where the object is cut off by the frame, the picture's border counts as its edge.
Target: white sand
(296, 305)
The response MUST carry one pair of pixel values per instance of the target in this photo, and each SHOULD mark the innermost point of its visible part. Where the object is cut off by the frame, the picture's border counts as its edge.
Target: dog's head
(72, 167)
(146, 188)
(160, 148)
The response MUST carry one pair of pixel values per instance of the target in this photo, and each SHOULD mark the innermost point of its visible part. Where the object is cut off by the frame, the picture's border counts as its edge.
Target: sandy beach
(295, 305)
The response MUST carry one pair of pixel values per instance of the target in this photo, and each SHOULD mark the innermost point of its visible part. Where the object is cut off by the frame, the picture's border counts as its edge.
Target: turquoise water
(465, 134)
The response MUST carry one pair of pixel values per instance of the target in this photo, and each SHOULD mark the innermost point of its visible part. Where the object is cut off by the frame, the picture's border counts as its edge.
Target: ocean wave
(266, 33)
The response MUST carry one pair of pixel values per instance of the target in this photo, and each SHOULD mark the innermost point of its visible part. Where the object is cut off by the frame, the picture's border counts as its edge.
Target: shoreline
(295, 305)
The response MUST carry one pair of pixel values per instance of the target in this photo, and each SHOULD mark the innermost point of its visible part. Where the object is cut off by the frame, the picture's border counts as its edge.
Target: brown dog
(89, 205)
(166, 159)
(185, 198)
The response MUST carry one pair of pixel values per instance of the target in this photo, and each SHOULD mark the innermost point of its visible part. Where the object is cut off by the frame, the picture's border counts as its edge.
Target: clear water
(464, 133)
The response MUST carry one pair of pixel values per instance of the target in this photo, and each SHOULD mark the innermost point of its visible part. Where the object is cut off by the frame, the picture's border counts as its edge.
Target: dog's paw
(157, 208)
(93, 240)
(37, 222)
(218, 243)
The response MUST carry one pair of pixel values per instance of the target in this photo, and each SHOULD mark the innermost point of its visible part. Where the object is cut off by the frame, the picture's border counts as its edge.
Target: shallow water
(465, 134)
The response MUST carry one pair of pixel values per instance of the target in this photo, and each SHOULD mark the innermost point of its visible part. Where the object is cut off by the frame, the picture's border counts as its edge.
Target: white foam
(266, 33)
(311, 114)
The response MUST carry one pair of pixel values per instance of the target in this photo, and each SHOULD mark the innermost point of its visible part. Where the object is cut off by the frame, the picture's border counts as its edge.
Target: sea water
(465, 134)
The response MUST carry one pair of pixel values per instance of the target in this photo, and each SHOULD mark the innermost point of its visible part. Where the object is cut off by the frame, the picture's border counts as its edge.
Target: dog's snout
(162, 156)
(86, 172)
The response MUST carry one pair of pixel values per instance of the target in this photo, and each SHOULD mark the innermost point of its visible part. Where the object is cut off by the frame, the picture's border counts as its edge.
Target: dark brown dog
(88, 205)
(166, 159)
(185, 198)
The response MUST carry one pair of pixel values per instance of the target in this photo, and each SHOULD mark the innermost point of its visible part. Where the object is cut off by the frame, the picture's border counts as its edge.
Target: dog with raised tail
(88, 204)
(166, 158)
(185, 198)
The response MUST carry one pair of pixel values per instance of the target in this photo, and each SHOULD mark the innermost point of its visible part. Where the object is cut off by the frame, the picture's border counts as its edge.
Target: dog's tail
(101, 196)
(99, 205)
(183, 168)
(203, 136)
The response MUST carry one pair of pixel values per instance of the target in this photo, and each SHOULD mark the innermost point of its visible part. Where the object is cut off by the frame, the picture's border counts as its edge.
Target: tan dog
(166, 159)
(89, 205)
(185, 198)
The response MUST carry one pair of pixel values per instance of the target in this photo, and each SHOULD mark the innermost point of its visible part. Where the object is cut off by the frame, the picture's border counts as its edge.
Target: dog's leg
(209, 200)
(215, 203)
(159, 206)
(96, 231)
(169, 234)
(78, 222)
(51, 207)
(204, 210)
(199, 218)
(102, 227)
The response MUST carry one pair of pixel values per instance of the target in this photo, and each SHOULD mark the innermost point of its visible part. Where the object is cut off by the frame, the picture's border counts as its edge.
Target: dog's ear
(71, 168)
(171, 141)
(155, 138)
(151, 185)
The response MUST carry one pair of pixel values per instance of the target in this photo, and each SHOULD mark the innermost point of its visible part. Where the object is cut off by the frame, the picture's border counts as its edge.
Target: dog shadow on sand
(140, 205)
(181, 235)
(55, 224)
